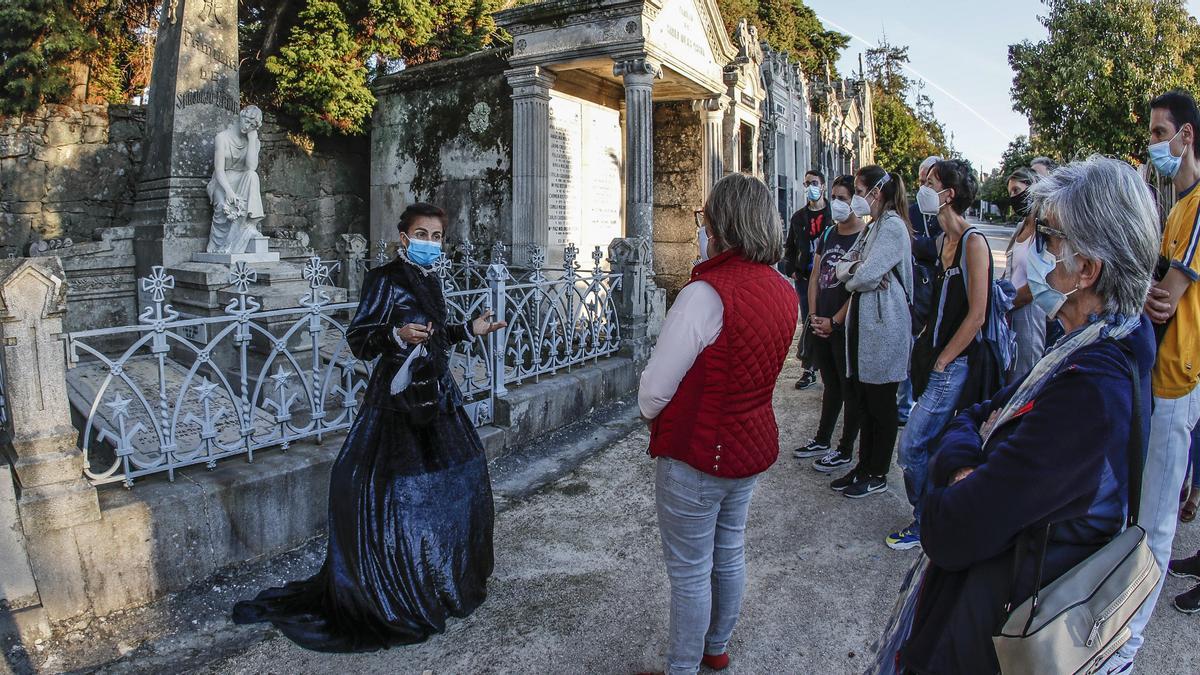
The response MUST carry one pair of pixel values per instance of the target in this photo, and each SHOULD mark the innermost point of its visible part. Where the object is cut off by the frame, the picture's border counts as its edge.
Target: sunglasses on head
(699, 213)
(1043, 232)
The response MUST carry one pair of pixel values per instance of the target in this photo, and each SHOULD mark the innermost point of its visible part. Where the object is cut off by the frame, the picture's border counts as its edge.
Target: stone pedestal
(193, 96)
(257, 253)
(641, 305)
(639, 75)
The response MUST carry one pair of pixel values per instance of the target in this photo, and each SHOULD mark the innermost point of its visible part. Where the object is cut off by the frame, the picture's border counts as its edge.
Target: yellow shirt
(1177, 370)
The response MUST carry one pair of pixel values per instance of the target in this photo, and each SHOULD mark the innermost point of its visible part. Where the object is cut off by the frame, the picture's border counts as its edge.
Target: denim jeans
(702, 520)
(904, 402)
(929, 418)
(1171, 427)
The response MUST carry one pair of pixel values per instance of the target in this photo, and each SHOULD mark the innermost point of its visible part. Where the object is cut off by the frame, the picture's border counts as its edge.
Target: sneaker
(909, 537)
(814, 448)
(1187, 568)
(1188, 603)
(808, 379)
(832, 460)
(867, 486)
(844, 482)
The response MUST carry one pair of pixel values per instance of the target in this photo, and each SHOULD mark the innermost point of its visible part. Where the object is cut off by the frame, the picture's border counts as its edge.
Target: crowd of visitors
(910, 328)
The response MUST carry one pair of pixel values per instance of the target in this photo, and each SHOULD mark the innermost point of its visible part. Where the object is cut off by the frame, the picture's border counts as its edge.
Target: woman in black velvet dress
(410, 500)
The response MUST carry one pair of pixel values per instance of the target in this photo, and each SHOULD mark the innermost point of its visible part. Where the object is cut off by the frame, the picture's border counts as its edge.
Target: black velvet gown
(410, 499)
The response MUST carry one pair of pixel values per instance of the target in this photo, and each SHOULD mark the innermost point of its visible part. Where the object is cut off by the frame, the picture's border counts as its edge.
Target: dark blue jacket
(1064, 461)
(926, 230)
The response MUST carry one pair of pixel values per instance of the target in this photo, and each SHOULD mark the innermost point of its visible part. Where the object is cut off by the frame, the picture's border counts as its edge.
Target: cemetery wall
(678, 191)
(69, 171)
(442, 133)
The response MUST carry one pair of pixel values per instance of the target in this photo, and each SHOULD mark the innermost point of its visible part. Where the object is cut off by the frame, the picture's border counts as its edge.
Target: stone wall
(678, 191)
(68, 172)
(442, 133)
(65, 172)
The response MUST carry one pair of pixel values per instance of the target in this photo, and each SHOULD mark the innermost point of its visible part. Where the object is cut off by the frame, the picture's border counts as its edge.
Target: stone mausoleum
(606, 120)
(138, 365)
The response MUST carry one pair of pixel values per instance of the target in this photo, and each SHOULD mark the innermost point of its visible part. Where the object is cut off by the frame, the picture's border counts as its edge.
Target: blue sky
(960, 50)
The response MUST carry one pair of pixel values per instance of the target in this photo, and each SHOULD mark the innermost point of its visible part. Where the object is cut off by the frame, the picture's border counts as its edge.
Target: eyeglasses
(1044, 232)
(699, 213)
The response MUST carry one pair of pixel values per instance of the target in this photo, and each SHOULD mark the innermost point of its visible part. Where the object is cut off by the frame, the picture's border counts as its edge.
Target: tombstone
(194, 95)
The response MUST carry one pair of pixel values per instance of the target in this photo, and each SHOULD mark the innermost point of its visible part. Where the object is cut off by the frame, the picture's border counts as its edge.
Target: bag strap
(1135, 449)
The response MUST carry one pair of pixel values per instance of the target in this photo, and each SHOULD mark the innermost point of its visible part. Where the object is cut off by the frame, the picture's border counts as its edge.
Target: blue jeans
(1194, 457)
(929, 418)
(1171, 427)
(702, 520)
(904, 402)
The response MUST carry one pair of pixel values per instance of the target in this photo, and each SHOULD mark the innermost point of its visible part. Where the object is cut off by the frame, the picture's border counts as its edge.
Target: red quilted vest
(720, 420)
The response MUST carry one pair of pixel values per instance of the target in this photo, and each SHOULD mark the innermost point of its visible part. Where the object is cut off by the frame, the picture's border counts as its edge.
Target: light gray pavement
(580, 586)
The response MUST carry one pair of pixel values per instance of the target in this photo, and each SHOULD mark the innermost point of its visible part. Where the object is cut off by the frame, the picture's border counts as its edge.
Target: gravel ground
(580, 586)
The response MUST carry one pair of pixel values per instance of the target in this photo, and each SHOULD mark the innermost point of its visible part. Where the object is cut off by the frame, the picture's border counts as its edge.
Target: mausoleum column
(531, 158)
(639, 75)
(714, 118)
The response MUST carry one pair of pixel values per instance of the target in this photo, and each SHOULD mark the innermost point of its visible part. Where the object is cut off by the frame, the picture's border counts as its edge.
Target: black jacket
(805, 228)
(394, 295)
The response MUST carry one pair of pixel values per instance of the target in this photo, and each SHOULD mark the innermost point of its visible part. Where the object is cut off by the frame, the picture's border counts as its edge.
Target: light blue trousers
(702, 520)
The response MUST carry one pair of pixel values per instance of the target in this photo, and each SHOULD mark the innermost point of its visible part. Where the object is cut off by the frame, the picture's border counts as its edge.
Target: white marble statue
(234, 189)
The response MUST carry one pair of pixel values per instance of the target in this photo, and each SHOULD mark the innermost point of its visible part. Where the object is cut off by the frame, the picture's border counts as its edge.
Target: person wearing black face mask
(1028, 321)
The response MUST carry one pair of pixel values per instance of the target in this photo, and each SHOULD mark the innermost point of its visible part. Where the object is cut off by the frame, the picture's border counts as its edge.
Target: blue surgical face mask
(1038, 266)
(423, 252)
(1163, 159)
(814, 193)
(702, 241)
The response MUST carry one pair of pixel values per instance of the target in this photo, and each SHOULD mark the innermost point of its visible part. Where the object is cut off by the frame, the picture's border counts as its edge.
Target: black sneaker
(814, 448)
(1187, 568)
(808, 379)
(1188, 603)
(844, 482)
(832, 460)
(867, 486)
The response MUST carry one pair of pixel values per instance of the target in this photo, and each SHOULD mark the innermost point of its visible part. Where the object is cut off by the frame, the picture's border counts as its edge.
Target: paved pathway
(580, 586)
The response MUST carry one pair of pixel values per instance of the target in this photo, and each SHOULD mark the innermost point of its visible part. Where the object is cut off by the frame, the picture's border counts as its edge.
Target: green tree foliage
(285, 63)
(905, 134)
(52, 50)
(791, 27)
(321, 78)
(1086, 88)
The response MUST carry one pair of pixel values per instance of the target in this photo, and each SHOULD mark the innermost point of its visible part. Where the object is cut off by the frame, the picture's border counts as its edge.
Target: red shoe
(716, 661)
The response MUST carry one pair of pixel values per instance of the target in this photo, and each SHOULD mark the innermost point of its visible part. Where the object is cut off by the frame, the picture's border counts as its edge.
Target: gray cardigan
(884, 322)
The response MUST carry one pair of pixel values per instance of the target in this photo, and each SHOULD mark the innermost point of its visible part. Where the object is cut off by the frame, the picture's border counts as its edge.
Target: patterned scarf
(1115, 327)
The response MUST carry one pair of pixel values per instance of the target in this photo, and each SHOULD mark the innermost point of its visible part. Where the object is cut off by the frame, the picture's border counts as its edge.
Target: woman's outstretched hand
(483, 324)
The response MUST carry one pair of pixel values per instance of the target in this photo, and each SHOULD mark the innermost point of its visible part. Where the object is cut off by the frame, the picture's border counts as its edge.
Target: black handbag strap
(1135, 449)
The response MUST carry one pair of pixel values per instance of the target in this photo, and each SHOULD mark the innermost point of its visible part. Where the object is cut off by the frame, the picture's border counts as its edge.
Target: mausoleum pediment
(686, 37)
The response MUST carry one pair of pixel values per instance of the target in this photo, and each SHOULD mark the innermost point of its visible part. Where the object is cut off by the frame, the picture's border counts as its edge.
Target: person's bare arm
(1163, 299)
(977, 291)
(813, 283)
(1024, 297)
(252, 150)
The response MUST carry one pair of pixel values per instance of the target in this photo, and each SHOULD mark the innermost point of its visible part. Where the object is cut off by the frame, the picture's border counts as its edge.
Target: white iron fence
(175, 391)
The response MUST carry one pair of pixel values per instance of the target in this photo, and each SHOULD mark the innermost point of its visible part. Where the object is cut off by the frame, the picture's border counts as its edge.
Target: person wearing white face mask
(706, 393)
(830, 301)
(805, 228)
(940, 365)
(877, 271)
(1173, 304)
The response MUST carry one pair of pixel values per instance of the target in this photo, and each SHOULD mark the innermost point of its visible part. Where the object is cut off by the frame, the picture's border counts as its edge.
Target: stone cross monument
(193, 96)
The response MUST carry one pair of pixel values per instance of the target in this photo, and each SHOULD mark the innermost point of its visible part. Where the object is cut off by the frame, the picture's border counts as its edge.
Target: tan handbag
(1077, 622)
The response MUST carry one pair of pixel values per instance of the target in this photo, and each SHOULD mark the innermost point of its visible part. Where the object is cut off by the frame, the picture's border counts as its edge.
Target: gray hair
(741, 211)
(1106, 212)
(928, 162)
(1044, 161)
